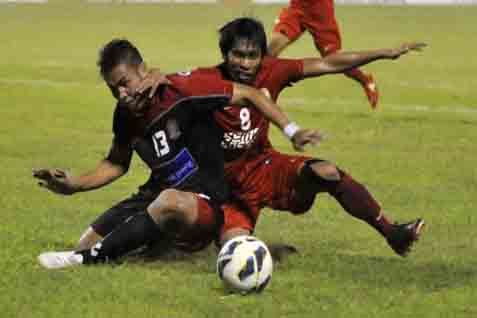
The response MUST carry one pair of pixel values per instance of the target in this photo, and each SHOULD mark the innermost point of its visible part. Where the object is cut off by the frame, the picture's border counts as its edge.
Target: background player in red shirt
(261, 177)
(175, 135)
(318, 18)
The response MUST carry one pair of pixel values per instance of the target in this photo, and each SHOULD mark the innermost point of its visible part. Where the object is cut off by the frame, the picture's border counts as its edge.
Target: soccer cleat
(371, 90)
(57, 260)
(402, 236)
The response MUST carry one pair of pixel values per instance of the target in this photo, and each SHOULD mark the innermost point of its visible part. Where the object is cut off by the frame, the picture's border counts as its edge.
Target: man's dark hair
(117, 51)
(246, 28)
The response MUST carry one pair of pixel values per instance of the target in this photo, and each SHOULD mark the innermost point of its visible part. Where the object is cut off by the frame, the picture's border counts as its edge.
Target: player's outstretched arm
(343, 61)
(108, 170)
(299, 137)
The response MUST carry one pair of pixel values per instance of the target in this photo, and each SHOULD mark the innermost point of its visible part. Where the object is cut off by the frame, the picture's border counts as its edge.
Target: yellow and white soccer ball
(245, 265)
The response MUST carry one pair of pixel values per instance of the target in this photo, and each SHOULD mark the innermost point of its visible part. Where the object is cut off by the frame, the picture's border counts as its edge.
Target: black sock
(130, 235)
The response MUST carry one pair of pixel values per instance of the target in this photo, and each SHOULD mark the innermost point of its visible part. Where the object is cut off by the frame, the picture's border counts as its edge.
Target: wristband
(291, 129)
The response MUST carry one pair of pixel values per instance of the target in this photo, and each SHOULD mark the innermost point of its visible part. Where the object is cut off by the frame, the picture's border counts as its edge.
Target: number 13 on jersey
(160, 143)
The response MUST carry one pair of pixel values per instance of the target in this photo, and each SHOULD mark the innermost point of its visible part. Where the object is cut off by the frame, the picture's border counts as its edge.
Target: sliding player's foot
(57, 260)
(402, 237)
(371, 90)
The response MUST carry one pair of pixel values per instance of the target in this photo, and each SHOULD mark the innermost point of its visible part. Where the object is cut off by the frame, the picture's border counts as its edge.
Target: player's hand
(154, 78)
(406, 48)
(305, 137)
(55, 180)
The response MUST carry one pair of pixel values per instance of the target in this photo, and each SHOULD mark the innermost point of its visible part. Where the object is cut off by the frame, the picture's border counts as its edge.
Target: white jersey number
(160, 143)
(245, 122)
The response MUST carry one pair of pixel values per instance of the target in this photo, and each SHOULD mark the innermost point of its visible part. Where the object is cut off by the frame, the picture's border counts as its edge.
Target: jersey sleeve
(289, 71)
(122, 131)
(120, 154)
(121, 148)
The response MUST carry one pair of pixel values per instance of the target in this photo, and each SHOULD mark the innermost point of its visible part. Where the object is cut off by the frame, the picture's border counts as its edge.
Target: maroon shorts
(315, 16)
(267, 181)
(207, 229)
(213, 221)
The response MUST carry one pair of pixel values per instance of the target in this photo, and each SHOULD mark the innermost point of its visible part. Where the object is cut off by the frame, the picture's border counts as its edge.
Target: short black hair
(115, 52)
(246, 28)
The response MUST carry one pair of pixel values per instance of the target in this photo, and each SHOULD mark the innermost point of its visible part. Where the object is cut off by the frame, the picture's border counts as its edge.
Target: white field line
(292, 102)
(44, 82)
(431, 84)
(295, 102)
(36, 82)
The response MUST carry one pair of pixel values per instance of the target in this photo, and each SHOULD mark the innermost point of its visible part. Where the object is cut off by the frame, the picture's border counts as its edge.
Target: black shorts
(110, 219)
(195, 240)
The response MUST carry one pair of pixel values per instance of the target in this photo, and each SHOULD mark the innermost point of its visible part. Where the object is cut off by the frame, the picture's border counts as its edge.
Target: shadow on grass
(204, 259)
(335, 259)
(164, 252)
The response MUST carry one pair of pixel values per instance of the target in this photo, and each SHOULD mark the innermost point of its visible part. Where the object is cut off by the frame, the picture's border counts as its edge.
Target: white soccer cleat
(57, 260)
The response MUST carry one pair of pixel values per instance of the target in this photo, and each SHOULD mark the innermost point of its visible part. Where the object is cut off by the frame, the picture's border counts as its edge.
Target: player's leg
(321, 23)
(237, 222)
(232, 233)
(110, 219)
(172, 213)
(88, 239)
(266, 183)
(278, 43)
(288, 28)
(318, 176)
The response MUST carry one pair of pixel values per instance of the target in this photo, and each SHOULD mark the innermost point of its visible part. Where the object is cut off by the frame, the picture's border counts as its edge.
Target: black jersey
(179, 139)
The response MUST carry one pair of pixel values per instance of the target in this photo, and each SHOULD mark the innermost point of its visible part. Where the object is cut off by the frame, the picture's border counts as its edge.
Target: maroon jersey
(245, 128)
(177, 137)
(258, 175)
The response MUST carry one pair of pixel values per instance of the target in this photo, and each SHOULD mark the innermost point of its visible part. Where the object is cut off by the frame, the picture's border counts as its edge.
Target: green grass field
(417, 155)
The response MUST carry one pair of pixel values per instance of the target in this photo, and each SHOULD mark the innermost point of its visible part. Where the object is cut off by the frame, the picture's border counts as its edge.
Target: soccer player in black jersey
(175, 135)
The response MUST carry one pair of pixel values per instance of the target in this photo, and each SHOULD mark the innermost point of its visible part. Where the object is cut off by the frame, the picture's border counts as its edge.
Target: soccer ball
(245, 265)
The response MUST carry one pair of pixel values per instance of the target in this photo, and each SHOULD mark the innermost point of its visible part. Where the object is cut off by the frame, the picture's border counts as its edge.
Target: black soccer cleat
(404, 235)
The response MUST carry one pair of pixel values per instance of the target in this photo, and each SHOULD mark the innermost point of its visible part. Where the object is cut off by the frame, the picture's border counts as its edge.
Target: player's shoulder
(194, 74)
(193, 80)
(208, 71)
(124, 122)
(277, 64)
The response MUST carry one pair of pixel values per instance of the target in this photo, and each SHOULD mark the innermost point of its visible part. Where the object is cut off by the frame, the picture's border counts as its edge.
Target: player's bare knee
(166, 201)
(173, 206)
(326, 170)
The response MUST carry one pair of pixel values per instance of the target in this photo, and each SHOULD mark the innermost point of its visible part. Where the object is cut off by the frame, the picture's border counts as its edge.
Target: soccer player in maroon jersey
(318, 18)
(260, 176)
(175, 135)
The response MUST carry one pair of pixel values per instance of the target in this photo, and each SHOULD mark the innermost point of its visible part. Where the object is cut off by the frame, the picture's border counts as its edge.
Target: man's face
(243, 61)
(123, 80)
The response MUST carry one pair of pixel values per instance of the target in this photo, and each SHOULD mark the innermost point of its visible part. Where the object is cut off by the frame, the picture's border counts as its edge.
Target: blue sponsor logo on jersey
(176, 170)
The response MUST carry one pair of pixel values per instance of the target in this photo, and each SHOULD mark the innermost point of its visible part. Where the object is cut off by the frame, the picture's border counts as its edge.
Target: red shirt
(245, 128)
